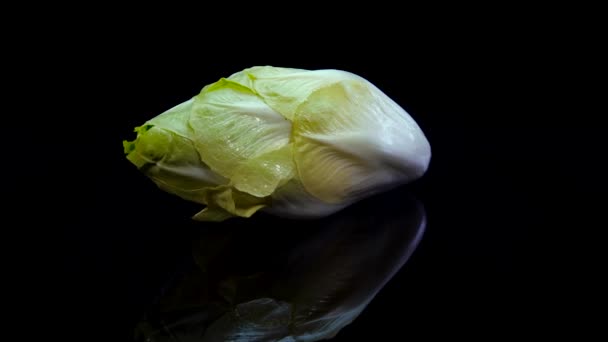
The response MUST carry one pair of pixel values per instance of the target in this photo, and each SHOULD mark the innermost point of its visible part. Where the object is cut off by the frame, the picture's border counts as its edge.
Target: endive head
(298, 143)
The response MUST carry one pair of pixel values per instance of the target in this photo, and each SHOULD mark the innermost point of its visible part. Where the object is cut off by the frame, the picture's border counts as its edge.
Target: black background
(509, 177)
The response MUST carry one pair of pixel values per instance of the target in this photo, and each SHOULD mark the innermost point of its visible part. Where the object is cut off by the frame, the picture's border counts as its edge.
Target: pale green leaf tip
(129, 147)
(212, 215)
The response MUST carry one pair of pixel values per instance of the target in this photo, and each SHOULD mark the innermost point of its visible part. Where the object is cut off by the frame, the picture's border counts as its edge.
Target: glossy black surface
(506, 179)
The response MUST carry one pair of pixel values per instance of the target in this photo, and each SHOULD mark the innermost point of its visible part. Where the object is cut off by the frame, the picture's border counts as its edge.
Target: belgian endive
(295, 143)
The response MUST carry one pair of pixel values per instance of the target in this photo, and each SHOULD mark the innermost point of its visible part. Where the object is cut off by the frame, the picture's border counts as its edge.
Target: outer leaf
(233, 125)
(284, 89)
(352, 141)
(262, 175)
(233, 201)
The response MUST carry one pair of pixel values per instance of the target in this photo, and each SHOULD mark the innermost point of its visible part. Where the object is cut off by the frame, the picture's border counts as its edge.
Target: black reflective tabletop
(469, 249)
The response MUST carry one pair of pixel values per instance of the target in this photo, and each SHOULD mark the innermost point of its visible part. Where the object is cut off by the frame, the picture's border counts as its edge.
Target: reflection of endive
(294, 283)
